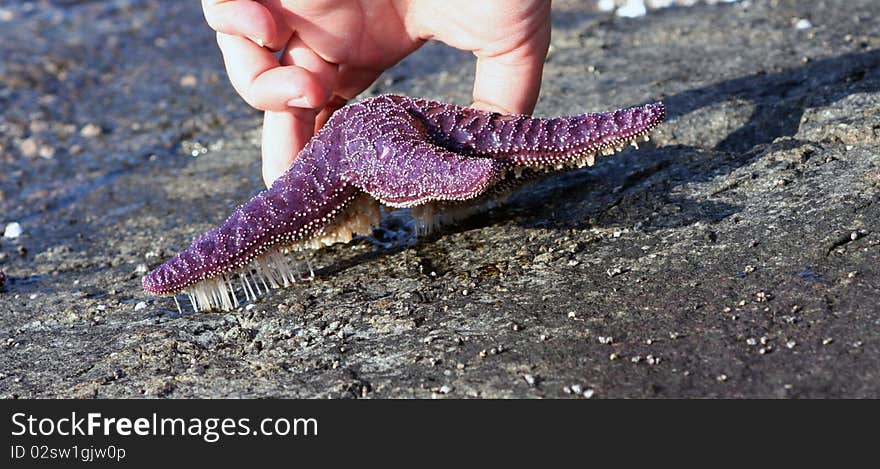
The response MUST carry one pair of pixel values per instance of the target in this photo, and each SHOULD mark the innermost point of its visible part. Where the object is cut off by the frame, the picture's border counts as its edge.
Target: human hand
(334, 49)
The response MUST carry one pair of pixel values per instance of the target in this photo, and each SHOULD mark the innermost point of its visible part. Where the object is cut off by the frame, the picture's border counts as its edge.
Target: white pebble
(141, 305)
(90, 130)
(606, 5)
(802, 24)
(189, 81)
(12, 231)
(632, 9)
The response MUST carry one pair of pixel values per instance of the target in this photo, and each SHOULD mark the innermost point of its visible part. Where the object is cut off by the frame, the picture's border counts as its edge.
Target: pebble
(12, 231)
(529, 379)
(140, 305)
(189, 81)
(90, 130)
(29, 147)
(632, 9)
(606, 340)
(445, 389)
(790, 344)
(46, 152)
(589, 393)
(802, 24)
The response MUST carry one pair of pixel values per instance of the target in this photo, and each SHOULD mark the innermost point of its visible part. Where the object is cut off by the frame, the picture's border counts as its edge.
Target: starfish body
(393, 150)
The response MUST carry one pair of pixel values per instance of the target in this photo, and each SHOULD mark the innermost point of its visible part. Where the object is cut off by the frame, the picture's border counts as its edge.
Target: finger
(284, 135)
(241, 18)
(299, 54)
(510, 82)
(351, 82)
(334, 104)
(283, 30)
(262, 81)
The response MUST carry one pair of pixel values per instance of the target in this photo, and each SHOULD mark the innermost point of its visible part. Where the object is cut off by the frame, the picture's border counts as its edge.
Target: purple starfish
(393, 150)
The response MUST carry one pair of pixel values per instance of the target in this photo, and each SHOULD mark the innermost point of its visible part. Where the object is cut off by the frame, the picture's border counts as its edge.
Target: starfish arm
(528, 141)
(301, 202)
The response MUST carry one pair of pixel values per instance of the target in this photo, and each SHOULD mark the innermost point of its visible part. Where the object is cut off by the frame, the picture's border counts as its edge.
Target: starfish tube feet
(295, 213)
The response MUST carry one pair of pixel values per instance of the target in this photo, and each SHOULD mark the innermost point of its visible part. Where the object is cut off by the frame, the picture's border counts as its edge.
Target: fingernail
(301, 101)
(256, 41)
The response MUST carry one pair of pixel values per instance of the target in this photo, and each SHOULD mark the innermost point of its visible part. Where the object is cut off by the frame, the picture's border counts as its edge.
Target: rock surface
(737, 257)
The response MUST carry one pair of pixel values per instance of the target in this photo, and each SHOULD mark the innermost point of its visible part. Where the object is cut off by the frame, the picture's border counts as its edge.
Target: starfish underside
(440, 159)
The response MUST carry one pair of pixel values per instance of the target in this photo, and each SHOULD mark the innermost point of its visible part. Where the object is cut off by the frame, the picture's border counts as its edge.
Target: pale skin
(334, 49)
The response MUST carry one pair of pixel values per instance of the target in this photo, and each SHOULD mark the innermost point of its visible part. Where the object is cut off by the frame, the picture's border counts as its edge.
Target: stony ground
(738, 256)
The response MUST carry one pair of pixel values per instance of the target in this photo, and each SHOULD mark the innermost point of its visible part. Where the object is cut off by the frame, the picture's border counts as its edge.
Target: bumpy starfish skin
(402, 152)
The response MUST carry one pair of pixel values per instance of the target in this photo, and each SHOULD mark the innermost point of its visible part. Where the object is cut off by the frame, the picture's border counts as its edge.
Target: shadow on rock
(631, 187)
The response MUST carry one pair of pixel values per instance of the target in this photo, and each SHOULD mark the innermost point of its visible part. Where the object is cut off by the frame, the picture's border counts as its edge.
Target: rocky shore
(737, 255)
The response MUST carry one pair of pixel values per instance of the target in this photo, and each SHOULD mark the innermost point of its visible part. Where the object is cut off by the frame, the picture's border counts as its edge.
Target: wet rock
(735, 255)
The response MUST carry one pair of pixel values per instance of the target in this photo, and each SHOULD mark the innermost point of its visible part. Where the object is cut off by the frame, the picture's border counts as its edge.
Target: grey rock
(768, 164)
